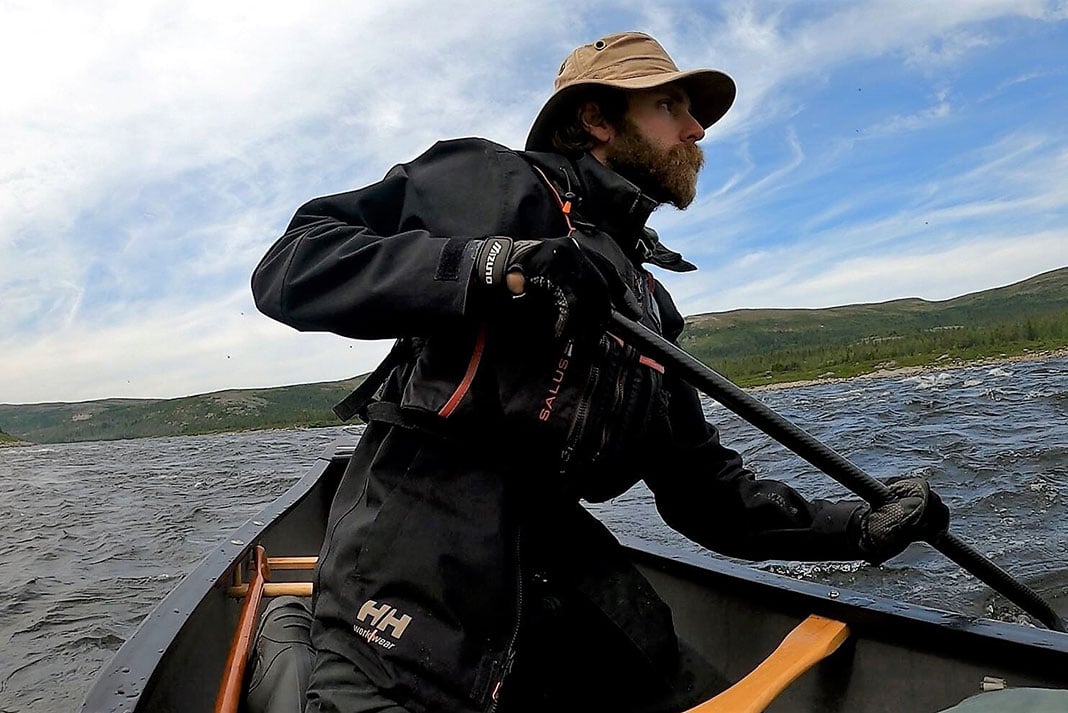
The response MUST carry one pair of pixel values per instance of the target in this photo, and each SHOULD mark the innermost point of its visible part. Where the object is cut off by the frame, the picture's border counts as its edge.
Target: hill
(752, 347)
(9, 440)
(768, 346)
(232, 410)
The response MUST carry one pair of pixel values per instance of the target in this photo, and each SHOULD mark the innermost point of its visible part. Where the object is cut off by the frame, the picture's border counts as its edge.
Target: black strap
(355, 404)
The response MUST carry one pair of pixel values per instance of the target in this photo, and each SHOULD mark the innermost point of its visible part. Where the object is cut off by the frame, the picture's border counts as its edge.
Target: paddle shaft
(826, 459)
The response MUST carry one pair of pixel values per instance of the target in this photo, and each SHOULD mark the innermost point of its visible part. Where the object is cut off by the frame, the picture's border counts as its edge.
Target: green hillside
(769, 346)
(752, 347)
(234, 410)
(7, 440)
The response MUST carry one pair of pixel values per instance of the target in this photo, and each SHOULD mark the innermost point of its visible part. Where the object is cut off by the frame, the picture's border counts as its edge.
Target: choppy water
(94, 534)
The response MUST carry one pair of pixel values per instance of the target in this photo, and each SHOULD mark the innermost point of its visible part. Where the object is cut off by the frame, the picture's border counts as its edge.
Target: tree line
(955, 343)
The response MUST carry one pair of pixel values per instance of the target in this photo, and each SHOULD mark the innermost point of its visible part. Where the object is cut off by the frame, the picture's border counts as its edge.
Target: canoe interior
(173, 661)
(900, 656)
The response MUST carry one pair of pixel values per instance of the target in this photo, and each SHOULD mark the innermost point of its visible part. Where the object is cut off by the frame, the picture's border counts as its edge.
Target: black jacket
(463, 486)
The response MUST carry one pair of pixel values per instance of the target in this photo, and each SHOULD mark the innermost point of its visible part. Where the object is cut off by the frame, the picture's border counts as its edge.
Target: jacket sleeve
(703, 490)
(391, 259)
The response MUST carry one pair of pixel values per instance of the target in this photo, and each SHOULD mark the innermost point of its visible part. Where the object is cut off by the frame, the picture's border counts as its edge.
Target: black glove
(582, 285)
(912, 513)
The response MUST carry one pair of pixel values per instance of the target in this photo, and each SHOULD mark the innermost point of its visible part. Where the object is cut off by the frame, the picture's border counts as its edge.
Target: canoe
(897, 657)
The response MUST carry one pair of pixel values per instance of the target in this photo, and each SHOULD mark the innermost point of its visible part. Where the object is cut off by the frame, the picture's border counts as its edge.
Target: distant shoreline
(887, 370)
(952, 365)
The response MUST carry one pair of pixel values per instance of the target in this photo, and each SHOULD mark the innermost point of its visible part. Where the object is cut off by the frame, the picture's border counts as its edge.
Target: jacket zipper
(581, 413)
(617, 402)
(509, 656)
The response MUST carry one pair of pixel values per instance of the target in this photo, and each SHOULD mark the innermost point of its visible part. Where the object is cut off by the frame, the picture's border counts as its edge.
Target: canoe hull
(899, 656)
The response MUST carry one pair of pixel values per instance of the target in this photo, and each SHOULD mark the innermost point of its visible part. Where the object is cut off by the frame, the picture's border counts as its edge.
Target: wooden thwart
(278, 563)
(277, 589)
(810, 642)
(274, 589)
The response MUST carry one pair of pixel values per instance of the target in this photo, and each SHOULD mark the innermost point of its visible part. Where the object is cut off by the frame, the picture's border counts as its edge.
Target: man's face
(655, 148)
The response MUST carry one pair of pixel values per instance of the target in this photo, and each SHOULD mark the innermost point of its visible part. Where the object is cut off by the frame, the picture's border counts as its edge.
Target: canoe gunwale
(869, 617)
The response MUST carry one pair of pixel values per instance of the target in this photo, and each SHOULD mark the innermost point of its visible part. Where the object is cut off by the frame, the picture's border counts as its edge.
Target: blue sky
(152, 151)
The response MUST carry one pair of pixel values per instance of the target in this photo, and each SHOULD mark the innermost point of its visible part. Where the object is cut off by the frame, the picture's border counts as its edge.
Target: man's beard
(665, 175)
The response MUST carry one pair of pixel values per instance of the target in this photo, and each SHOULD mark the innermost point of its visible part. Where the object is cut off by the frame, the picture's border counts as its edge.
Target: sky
(151, 152)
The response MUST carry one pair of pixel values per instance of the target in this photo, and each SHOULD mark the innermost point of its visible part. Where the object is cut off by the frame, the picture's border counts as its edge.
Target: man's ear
(595, 123)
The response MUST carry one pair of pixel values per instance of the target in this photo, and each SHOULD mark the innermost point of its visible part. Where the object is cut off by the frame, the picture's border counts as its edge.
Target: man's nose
(692, 131)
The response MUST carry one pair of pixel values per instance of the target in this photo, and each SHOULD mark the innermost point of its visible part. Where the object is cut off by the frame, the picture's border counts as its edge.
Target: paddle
(818, 454)
(810, 642)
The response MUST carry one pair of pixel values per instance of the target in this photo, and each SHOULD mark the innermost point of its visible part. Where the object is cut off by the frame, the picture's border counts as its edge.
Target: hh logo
(380, 618)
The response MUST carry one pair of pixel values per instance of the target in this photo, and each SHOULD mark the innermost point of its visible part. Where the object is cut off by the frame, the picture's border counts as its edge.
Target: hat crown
(628, 61)
(626, 55)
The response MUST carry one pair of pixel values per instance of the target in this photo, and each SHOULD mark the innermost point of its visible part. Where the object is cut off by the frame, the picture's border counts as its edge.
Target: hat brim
(711, 94)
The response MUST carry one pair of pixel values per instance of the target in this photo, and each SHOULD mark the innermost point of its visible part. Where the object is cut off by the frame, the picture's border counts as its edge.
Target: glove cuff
(869, 550)
(491, 261)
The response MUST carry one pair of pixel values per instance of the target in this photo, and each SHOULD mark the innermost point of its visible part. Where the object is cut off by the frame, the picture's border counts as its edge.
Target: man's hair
(570, 137)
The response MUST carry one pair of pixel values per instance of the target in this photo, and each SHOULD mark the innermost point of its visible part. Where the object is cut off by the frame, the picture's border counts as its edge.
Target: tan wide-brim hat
(629, 60)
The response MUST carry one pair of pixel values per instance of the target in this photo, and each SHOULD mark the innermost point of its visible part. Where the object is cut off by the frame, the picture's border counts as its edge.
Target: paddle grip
(718, 387)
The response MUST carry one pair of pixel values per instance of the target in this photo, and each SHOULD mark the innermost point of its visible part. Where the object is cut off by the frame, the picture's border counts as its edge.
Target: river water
(94, 534)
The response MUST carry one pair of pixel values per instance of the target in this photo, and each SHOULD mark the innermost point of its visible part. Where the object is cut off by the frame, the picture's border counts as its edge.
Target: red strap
(469, 376)
(642, 359)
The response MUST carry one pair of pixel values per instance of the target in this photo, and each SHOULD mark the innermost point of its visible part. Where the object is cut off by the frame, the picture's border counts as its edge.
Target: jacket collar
(607, 201)
(614, 204)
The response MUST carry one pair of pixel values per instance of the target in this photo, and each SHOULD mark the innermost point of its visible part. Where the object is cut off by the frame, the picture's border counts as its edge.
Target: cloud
(152, 151)
(772, 47)
(217, 345)
(989, 216)
(188, 133)
(913, 122)
(933, 273)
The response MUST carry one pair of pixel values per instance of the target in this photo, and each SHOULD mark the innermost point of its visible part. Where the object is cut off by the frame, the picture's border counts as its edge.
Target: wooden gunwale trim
(229, 697)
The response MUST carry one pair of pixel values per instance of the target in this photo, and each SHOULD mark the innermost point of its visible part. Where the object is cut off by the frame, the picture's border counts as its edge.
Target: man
(460, 572)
